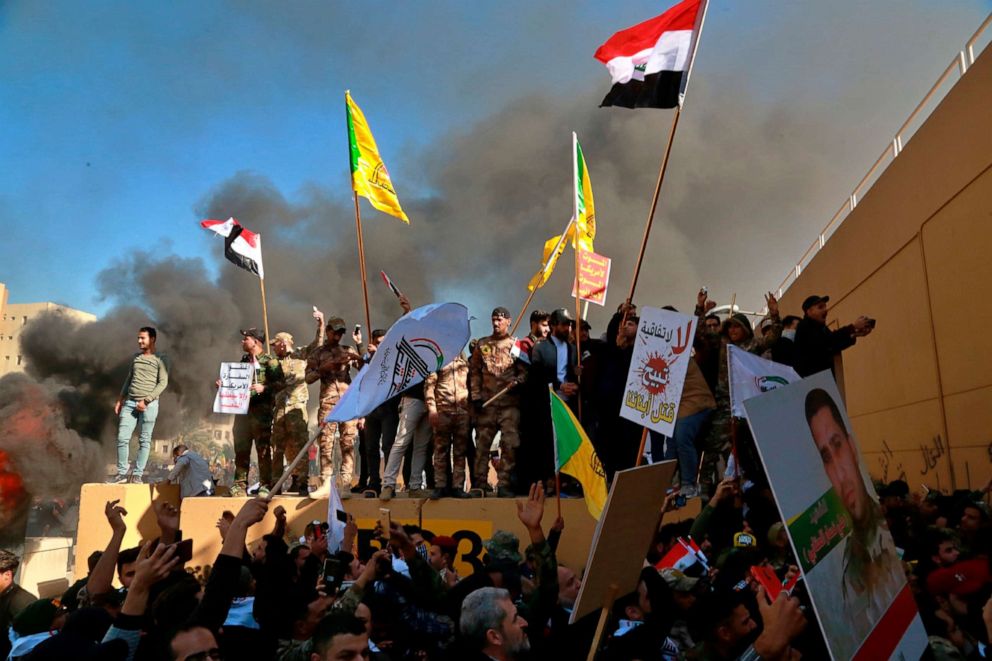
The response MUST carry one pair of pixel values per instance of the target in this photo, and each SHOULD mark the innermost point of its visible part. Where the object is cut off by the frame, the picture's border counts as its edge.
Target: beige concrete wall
(916, 254)
(13, 319)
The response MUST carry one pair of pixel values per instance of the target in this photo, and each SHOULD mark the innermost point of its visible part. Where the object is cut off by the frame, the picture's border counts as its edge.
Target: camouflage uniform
(256, 425)
(493, 368)
(289, 413)
(446, 393)
(334, 381)
(717, 442)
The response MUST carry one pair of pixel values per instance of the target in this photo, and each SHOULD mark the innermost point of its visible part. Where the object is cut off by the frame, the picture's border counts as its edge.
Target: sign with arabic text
(594, 277)
(235, 388)
(851, 567)
(662, 351)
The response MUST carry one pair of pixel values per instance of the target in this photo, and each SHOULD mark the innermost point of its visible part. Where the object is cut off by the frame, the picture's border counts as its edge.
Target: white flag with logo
(419, 343)
(750, 376)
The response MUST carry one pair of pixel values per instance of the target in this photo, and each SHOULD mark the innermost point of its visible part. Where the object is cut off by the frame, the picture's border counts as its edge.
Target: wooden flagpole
(697, 35)
(530, 296)
(654, 203)
(265, 313)
(640, 450)
(575, 249)
(361, 265)
(523, 311)
(604, 615)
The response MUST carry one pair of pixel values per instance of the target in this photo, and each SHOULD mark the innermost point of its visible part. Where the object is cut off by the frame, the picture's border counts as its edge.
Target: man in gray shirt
(138, 405)
(191, 472)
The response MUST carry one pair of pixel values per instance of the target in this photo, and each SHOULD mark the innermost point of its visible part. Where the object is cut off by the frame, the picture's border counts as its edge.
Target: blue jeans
(413, 428)
(129, 419)
(682, 445)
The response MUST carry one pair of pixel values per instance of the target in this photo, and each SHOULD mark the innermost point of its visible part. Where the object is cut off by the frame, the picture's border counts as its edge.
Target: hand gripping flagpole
(697, 34)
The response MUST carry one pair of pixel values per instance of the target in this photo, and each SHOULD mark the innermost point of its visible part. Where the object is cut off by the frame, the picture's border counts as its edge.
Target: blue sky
(117, 119)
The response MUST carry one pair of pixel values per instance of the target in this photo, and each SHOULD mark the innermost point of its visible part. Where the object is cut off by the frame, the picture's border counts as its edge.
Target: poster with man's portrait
(852, 569)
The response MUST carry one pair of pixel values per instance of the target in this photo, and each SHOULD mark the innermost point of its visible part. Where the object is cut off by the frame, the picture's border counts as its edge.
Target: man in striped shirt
(137, 405)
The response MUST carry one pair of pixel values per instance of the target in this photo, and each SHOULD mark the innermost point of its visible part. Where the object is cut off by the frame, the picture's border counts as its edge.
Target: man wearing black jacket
(816, 345)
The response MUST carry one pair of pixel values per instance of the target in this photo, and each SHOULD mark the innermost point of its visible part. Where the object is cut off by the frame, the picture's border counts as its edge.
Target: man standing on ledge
(492, 369)
(816, 345)
(331, 365)
(256, 425)
(138, 405)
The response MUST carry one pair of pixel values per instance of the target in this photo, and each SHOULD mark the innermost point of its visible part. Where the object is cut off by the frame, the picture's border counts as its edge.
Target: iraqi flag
(242, 247)
(650, 62)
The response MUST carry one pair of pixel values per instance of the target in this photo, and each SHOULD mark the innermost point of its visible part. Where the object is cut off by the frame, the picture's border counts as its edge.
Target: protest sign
(593, 277)
(662, 351)
(751, 375)
(623, 535)
(235, 388)
(851, 567)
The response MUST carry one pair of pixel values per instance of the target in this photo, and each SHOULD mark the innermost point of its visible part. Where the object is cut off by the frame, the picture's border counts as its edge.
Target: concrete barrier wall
(916, 254)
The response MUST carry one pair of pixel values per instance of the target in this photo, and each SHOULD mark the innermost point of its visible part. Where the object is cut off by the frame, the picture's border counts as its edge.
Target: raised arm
(101, 579)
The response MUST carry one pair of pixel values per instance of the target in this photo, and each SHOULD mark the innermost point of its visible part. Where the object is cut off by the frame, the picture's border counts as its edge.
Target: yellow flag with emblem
(369, 177)
(585, 208)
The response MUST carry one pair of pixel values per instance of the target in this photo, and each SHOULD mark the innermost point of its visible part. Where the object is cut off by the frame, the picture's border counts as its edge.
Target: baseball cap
(336, 324)
(284, 336)
(678, 581)
(253, 333)
(814, 300)
(560, 316)
(503, 547)
(583, 324)
(501, 312)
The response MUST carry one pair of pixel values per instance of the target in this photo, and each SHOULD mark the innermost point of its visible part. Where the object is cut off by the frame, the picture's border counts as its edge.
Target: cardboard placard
(662, 351)
(629, 521)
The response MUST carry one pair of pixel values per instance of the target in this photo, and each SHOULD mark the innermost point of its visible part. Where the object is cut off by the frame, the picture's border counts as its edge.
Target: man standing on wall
(816, 345)
(137, 405)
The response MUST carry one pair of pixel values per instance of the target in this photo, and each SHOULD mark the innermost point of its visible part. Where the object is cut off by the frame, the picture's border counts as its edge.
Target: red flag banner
(594, 276)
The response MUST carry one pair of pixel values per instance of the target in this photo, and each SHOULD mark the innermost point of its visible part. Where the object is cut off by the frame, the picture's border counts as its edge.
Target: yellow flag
(585, 208)
(369, 177)
(550, 258)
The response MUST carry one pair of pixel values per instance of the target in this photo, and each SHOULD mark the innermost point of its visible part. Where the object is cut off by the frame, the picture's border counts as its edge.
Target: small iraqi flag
(242, 247)
(650, 62)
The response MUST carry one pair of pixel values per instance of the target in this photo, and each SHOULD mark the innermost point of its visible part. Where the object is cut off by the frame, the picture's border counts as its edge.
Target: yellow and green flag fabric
(550, 257)
(575, 456)
(369, 177)
(585, 208)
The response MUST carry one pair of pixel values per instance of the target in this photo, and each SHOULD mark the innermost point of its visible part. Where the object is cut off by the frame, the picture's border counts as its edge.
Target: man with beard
(552, 363)
(492, 369)
(491, 625)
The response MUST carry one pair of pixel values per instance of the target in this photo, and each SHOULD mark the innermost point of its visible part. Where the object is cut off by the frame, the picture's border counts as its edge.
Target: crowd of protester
(405, 595)
(439, 435)
(410, 595)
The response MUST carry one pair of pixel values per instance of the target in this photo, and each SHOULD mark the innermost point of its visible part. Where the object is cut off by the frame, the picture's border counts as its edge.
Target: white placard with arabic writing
(235, 388)
(662, 351)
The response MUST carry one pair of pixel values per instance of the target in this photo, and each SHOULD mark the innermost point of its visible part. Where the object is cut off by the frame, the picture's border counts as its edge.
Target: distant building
(14, 317)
